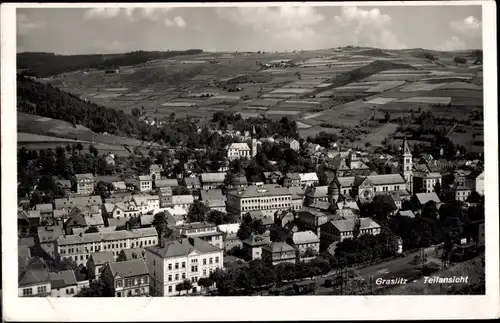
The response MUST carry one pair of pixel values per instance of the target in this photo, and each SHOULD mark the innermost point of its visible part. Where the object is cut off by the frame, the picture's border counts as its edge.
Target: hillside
(50, 64)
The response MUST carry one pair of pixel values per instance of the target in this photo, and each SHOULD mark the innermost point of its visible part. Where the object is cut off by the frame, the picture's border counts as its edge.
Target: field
(338, 88)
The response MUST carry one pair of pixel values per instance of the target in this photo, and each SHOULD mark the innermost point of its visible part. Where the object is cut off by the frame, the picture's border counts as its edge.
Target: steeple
(254, 133)
(406, 165)
(406, 148)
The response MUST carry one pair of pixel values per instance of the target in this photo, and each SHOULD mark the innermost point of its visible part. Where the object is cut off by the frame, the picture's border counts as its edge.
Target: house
(267, 220)
(273, 177)
(192, 183)
(340, 230)
(205, 231)
(47, 237)
(407, 213)
(475, 181)
(34, 279)
(278, 252)
(292, 179)
(396, 198)
(238, 150)
(212, 180)
(252, 246)
(388, 201)
(165, 196)
(144, 183)
(312, 220)
(155, 171)
(283, 218)
(127, 278)
(63, 284)
(46, 211)
(68, 203)
(27, 220)
(308, 179)
(64, 184)
(173, 261)
(230, 238)
(183, 201)
(316, 194)
(84, 218)
(146, 203)
(267, 198)
(238, 182)
(341, 187)
(97, 261)
(425, 182)
(291, 143)
(146, 220)
(214, 200)
(366, 187)
(423, 198)
(125, 209)
(298, 197)
(460, 192)
(306, 243)
(133, 253)
(170, 182)
(119, 186)
(110, 160)
(79, 247)
(322, 206)
(84, 184)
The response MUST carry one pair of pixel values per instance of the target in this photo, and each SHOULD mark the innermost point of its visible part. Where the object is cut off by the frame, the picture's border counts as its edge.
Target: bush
(461, 60)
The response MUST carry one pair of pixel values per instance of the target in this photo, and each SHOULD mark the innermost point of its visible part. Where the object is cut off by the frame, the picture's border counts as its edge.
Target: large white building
(267, 198)
(79, 247)
(173, 261)
(84, 184)
(238, 150)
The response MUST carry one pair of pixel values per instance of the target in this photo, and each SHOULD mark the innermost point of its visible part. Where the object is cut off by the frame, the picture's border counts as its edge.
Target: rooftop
(100, 258)
(213, 177)
(106, 236)
(182, 247)
(261, 191)
(423, 198)
(348, 224)
(303, 237)
(129, 268)
(308, 177)
(145, 178)
(275, 247)
(84, 176)
(386, 179)
(171, 182)
(62, 279)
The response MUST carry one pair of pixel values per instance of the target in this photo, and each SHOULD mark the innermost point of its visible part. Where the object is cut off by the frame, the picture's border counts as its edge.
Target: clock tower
(406, 165)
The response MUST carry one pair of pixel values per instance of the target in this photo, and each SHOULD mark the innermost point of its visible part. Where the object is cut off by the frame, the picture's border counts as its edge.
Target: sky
(114, 30)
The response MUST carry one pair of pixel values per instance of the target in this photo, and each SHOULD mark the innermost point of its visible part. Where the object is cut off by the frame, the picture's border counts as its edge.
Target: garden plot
(308, 116)
(444, 79)
(106, 96)
(322, 85)
(376, 137)
(414, 87)
(325, 94)
(283, 112)
(403, 71)
(227, 97)
(279, 96)
(425, 99)
(395, 77)
(117, 89)
(302, 125)
(178, 104)
(290, 90)
(380, 100)
(264, 102)
(461, 86)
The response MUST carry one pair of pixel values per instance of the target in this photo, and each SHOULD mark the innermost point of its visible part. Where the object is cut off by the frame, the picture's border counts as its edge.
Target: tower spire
(406, 147)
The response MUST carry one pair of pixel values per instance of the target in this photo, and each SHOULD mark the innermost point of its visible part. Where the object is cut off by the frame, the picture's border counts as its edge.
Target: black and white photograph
(232, 153)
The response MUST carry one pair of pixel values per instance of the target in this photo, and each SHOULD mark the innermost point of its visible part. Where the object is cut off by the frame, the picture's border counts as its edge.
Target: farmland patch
(424, 99)
(282, 112)
(178, 104)
(380, 100)
(384, 86)
(413, 87)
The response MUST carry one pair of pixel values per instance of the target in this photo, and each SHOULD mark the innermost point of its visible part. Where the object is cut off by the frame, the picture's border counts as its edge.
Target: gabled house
(34, 279)
(316, 194)
(291, 179)
(278, 252)
(273, 177)
(252, 246)
(96, 263)
(155, 171)
(144, 183)
(63, 284)
(212, 180)
(309, 179)
(127, 278)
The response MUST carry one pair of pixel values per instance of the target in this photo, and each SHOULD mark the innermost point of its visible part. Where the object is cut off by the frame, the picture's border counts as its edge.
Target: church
(364, 188)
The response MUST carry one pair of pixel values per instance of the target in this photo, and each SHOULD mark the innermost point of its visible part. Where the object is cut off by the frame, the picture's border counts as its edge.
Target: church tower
(406, 165)
(254, 143)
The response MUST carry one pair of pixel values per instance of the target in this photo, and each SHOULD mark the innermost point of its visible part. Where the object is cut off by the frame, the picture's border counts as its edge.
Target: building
(424, 198)
(291, 179)
(309, 179)
(144, 183)
(212, 180)
(425, 182)
(126, 209)
(133, 253)
(341, 187)
(165, 196)
(79, 247)
(283, 218)
(110, 160)
(119, 187)
(173, 261)
(97, 261)
(166, 182)
(350, 165)
(47, 237)
(214, 200)
(291, 143)
(252, 246)
(476, 182)
(84, 184)
(460, 192)
(67, 203)
(367, 187)
(278, 252)
(83, 218)
(34, 279)
(230, 238)
(155, 171)
(316, 194)
(312, 220)
(183, 202)
(46, 211)
(407, 213)
(127, 278)
(306, 243)
(298, 197)
(192, 183)
(267, 220)
(205, 231)
(238, 150)
(64, 184)
(406, 165)
(63, 284)
(267, 198)
(340, 230)
(146, 203)
(273, 177)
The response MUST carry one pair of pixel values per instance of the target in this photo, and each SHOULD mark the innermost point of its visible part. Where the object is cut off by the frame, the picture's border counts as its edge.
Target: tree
(97, 288)
(197, 212)
(68, 264)
(185, 285)
(92, 230)
(430, 210)
(437, 188)
(205, 282)
(161, 226)
(387, 117)
(218, 217)
(79, 147)
(103, 189)
(180, 190)
(93, 150)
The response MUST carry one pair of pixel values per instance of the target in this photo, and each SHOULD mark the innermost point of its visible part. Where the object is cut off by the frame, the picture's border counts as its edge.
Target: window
(169, 278)
(216, 260)
(183, 265)
(42, 289)
(169, 289)
(210, 260)
(27, 291)
(169, 266)
(129, 282)
(183, 275)
(204, 261)
(119, 284)
(136, 281)
(204, 272)
(176, 276)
